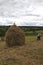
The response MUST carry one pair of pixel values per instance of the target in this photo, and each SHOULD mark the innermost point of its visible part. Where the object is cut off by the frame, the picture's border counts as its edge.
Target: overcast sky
(22, 12)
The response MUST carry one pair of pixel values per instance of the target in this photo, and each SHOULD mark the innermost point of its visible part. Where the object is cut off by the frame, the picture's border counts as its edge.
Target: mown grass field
(29, 54)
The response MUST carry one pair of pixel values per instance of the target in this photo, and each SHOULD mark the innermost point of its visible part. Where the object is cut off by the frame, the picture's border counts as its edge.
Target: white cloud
(21, 21)
(22, 12)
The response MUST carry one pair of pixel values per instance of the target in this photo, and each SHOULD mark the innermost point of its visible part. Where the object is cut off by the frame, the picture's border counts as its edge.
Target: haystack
(15, 36)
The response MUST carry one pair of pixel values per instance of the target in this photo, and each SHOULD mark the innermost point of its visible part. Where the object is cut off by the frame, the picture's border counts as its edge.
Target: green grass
(29, 54)
(30, 38)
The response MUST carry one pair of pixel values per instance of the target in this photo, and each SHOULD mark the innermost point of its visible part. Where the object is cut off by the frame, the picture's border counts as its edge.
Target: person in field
(39, 36)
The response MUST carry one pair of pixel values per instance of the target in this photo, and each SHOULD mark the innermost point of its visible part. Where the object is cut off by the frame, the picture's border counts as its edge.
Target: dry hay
(15, 36)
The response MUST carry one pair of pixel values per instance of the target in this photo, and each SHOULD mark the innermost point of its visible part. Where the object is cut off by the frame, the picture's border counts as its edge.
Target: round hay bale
(15, 36)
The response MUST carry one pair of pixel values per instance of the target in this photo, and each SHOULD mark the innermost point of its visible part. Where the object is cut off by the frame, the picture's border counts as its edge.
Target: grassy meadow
(29, 54)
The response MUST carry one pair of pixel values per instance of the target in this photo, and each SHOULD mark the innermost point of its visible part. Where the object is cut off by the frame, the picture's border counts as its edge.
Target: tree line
(27, 29)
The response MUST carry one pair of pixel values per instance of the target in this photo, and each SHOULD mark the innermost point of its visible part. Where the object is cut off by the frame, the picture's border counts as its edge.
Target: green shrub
(15, 36)
(30, 33)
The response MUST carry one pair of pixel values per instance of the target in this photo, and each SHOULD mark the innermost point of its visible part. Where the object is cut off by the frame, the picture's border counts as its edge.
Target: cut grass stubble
(29, 54)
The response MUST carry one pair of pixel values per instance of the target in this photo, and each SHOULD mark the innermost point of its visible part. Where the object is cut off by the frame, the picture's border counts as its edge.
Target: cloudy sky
(22, 12)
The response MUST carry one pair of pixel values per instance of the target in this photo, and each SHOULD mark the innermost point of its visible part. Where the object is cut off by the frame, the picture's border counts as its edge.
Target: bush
(30, 33)
(15, 36)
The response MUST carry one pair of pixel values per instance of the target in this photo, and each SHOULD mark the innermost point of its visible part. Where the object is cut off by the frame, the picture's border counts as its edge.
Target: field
(29, 54)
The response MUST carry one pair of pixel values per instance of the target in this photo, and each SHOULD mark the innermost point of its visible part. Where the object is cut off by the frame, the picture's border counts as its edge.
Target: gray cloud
(13, 8)
(18, 8)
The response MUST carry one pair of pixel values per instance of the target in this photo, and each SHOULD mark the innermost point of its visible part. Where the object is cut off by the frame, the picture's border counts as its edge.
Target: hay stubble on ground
(29, 54)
